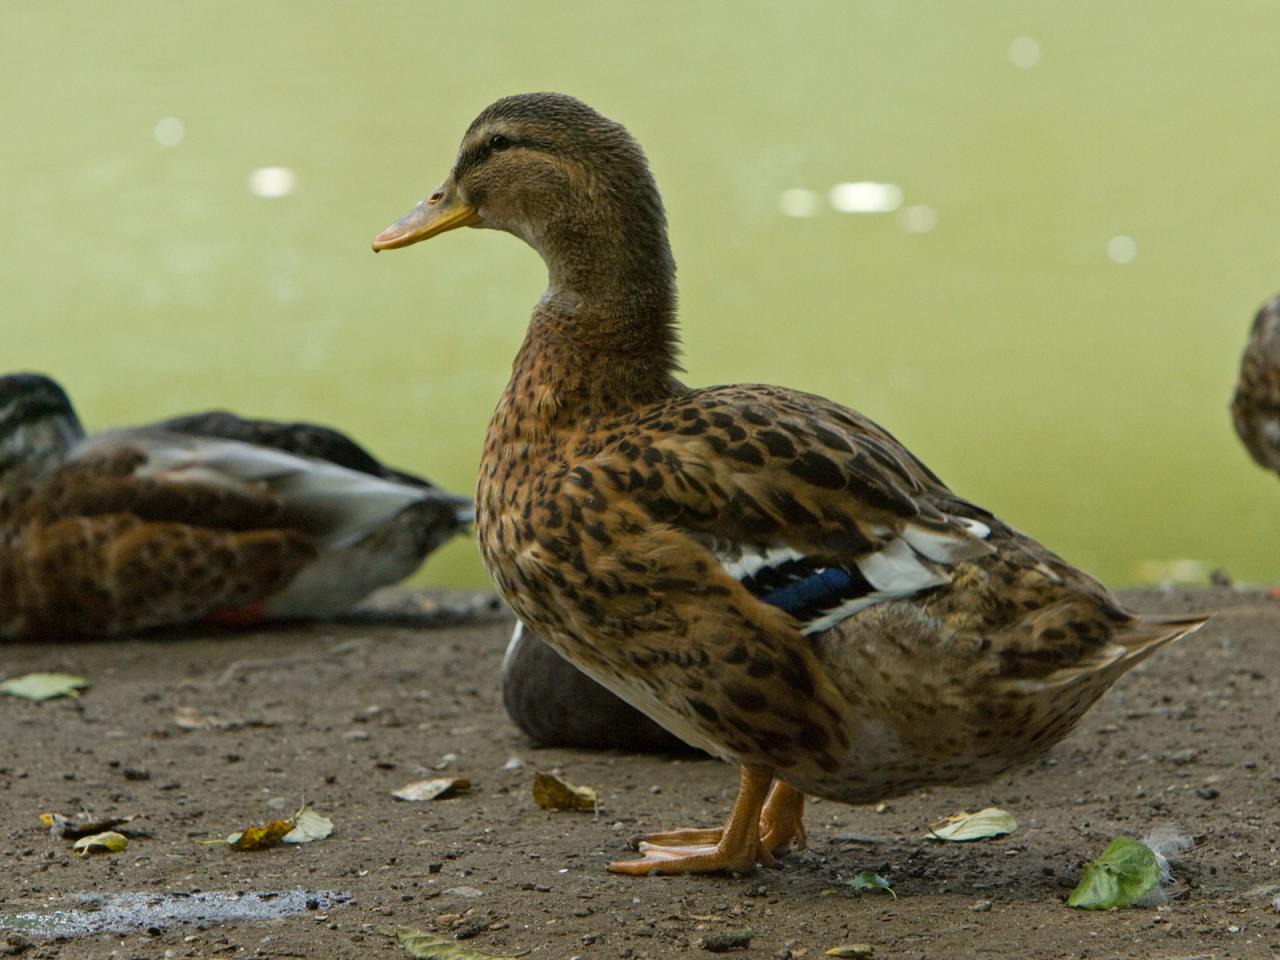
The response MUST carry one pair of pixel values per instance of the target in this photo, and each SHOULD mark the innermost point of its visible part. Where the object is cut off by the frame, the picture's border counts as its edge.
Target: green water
(1082, 399)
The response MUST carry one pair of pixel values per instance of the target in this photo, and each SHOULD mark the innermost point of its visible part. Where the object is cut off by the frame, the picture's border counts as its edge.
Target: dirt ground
(344, 714)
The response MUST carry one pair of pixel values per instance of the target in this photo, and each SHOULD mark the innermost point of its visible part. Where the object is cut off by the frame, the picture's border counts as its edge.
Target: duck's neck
(602, 339)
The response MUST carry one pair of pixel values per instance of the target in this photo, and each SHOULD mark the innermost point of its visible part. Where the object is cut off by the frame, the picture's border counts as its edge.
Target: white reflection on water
(1024, 52)
(169, 131)
(1177, 571)
(799, 202)
(1122, 249)
(272, 182)
(918, 218)
(866, 196)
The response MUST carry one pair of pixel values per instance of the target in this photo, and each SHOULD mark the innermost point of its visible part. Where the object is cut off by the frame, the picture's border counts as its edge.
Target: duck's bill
(438, 213)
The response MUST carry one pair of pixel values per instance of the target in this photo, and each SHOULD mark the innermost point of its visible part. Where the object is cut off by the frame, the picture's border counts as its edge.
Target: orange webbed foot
(722, 857)
(766, 819)
(781, 827)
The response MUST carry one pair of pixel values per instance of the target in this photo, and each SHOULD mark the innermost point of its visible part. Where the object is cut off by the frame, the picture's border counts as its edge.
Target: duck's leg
(781, 823)
(782, 820)
(734, 849)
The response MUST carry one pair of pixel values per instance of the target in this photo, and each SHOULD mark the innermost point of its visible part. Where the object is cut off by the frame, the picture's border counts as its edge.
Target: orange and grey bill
(439, 212)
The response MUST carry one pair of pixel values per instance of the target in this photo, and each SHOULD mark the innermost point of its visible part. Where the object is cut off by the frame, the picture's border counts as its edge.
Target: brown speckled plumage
(1255, 408)
(631, 522)
(174, 522)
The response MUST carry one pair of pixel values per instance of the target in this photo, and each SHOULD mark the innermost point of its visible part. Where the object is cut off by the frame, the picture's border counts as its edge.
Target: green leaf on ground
(964, 826)
(44, 686)
(868, 882)
(1125, 873)
(430, 946)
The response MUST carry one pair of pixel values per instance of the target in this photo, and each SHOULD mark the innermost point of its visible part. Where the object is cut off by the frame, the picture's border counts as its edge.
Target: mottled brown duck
(209, 517)
(768, 574)
(1255, 408)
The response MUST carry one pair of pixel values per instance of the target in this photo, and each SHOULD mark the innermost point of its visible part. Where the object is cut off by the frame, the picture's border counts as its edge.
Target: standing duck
(769, 575)
(1255, 408)
(209, 517)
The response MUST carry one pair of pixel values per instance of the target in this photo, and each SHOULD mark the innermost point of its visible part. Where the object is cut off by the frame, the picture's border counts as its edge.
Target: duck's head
(551, 170)
(38, 425)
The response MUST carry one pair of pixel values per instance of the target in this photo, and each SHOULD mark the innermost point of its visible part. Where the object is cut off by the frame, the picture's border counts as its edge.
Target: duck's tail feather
(1130, 645)
(1152, 631)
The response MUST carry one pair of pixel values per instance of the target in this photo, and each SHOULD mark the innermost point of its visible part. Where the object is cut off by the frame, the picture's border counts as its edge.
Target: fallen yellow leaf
(259, 838)
(552, 793)
(109, 842)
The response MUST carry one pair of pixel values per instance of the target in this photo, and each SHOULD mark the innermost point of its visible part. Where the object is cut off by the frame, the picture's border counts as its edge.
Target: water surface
(1071, 214)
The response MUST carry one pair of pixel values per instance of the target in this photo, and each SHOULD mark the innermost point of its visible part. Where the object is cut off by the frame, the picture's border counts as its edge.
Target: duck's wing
(1255, 407)
(303, 439)
(105, 478)
(810, 506)
(225, 483)
(310, 440)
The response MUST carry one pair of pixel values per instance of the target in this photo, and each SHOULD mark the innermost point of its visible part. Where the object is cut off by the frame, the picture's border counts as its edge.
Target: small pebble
(727, 940)
(982, 906)
(469, 893)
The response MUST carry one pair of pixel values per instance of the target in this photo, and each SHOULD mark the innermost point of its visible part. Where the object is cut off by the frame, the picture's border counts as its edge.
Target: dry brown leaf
(81, 825)
(552, 793)
(437, 788)
(189, 718)
(259, 838)
(303, 827)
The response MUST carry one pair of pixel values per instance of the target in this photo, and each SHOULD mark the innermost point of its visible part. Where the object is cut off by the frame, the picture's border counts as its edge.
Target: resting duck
(556, 705)
(208, 517)
(1255, 408)
(769, 575)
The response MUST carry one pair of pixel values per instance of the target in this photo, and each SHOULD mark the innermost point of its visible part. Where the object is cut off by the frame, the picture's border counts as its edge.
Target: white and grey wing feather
(820, 594)
(336, 505)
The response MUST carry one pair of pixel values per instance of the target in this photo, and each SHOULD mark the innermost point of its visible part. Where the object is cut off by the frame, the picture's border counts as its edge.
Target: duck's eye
(499, 142)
